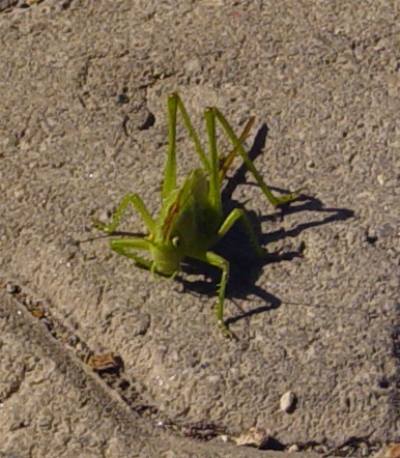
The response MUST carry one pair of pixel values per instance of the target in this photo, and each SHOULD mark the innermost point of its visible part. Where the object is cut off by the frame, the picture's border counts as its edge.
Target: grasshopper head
(167, 257)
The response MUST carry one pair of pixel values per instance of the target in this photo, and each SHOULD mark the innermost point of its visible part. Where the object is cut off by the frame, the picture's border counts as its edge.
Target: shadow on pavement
(245, 267)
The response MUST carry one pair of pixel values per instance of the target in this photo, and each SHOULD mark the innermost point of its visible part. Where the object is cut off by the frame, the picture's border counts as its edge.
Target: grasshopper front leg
(218, 261)
(127, 247)
(138, 204)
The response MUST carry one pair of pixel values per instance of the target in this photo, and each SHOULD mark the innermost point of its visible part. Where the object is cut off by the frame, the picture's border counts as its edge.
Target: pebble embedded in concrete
(288, 401)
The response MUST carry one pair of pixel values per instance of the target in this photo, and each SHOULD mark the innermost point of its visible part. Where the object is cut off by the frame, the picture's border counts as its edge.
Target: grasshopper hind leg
(238, 149)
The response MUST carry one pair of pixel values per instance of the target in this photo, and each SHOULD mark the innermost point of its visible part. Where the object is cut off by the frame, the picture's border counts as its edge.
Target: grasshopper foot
(103, 227)
(287, 198)
(225, 330)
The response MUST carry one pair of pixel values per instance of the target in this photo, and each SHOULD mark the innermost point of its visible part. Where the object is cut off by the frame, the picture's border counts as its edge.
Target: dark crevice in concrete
(109, 367)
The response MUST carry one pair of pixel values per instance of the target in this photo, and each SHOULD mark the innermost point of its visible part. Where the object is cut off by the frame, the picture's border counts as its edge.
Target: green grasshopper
(191, 220)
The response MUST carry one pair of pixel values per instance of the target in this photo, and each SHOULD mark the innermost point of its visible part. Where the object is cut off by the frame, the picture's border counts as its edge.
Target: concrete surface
(52, 407)
(83, 88)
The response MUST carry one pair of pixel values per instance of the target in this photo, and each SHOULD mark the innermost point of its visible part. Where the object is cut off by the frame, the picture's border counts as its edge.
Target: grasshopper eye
(175, 242)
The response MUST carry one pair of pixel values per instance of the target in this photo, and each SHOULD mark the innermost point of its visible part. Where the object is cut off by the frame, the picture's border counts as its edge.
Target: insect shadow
(245, 267)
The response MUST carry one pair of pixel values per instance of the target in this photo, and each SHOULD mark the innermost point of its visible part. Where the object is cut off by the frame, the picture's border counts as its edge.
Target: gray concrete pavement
(51, 405)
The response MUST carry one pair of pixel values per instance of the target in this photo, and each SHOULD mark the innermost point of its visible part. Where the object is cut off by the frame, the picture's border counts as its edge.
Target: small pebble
(193, 66)
(11, 288)
(287, 402)
(122, 99)
(73, 340)
(257, 437)
(213, 379)
(45, 421)
(381, 179)
(19, 194)
(293, 448)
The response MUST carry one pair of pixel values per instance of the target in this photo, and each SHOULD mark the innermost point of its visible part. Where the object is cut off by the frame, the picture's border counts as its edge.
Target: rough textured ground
(82, 122)
(52, 407)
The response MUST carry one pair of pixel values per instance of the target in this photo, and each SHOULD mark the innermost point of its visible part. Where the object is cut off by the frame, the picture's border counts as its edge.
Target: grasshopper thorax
(166, 258)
